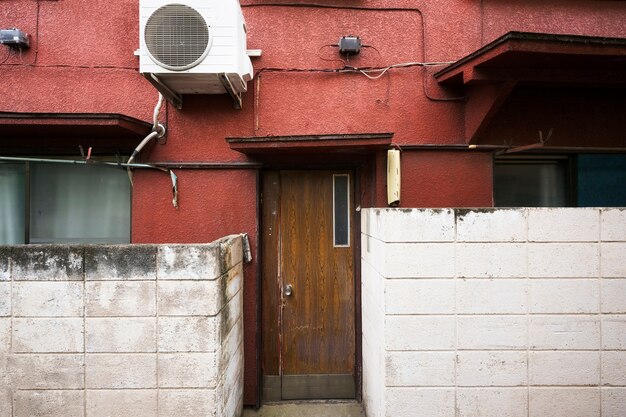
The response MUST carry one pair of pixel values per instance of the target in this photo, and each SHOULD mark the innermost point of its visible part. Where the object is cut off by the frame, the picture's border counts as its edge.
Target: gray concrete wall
(118, 331)
(494, 313)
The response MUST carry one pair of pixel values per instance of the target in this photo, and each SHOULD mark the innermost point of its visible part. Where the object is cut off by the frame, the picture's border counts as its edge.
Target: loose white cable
(383, 71)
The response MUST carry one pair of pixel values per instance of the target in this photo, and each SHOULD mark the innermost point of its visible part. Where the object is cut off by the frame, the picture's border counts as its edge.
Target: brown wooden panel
(270, 288)
(318, 319)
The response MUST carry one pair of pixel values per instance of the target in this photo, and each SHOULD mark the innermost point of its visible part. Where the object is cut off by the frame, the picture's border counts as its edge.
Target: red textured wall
(82, 61)
(443, 179)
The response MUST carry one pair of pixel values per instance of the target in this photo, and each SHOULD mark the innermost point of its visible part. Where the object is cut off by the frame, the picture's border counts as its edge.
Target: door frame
(270, 379)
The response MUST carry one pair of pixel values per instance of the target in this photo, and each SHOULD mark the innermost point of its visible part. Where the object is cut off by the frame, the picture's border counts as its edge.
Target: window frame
(570, 172)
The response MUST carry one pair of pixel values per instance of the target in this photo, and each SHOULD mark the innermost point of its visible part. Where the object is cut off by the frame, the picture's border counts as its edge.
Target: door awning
(312, 144)
(62, 133)
(518, 60)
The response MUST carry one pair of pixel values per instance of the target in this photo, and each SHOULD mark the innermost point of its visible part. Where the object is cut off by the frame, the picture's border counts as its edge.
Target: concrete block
(431, 402)
(48, 299)
(491, 260)
(613, 224)
(419, 260)
(492, 402)
(6, 403)
(233, 379)
(563, 225)
(614, 296)
(234, 405)
(420, 332)
(613, 402)
(484, 369)
(121, 403)
(47, 263)
(49, 335)
(48, 403)
(564, 332)
(373, 283)
(564, 368)
(491, 296)
(121, 371)
(564, 402)
(614, 260)
(5, 299)
(614, 332)
(229, 315)
(190, 298)
(5, 335)
(564, 295)
(120, 262)
(5, 263)
(232, 282)
(563, 260)
(373, 252)
(231, 343)
(5, 372)
(419, 296)
(491, 225)
(188, 403)
(189, 262)
(189, 370)
(120, 298)
(614, 368)
(415, 225)
(413, 369)
(231, 251)
(189, 334)
(370, 223)
(49, 371)
(120, 335)
(492, 332)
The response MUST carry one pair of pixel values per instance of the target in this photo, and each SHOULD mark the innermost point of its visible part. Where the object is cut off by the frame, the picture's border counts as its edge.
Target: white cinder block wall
(494, 312)
(119, 331)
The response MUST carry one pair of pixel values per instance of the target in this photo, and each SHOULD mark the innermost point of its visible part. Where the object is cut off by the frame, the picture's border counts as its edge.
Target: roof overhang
(65, 132)
(311, 144)
(540, 57)
(490, 74)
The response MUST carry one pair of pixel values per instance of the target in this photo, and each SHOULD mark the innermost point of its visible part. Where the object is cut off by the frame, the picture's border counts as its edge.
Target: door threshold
(308, 408)
(319, 401)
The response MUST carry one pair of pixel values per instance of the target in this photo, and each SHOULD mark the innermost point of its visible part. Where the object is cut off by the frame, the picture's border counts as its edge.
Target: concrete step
(308, 409)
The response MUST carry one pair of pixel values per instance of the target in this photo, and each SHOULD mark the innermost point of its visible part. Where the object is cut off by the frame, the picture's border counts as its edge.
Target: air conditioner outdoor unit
(194, 47)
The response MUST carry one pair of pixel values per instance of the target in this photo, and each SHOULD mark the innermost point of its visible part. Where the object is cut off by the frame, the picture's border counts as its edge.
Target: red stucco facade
(81, 61)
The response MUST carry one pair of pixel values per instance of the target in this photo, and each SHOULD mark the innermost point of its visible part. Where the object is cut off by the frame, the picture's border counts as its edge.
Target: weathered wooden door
(315, 283)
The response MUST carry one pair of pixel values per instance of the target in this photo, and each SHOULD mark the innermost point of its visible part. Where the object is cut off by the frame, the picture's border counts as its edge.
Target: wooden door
(315, 282)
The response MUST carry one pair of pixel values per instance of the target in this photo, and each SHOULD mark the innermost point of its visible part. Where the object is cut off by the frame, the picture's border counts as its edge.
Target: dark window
(583, 180)
(341, 210)
(62, 203)
(601, 180)
(520, 182)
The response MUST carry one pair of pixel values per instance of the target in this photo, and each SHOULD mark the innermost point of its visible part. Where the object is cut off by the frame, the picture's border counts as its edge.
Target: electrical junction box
(349, 45)
(14, 38)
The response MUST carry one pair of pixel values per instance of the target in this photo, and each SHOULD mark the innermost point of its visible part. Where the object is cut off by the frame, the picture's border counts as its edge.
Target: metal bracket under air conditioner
(174, 98)
(177, 99)
(231, 90)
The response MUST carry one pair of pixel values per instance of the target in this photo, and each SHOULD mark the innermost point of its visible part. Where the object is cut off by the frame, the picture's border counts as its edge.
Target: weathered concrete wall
(116, 331)
(494, 313)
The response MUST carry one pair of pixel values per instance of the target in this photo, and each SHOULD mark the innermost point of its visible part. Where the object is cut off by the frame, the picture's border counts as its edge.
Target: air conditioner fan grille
(177, 36)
